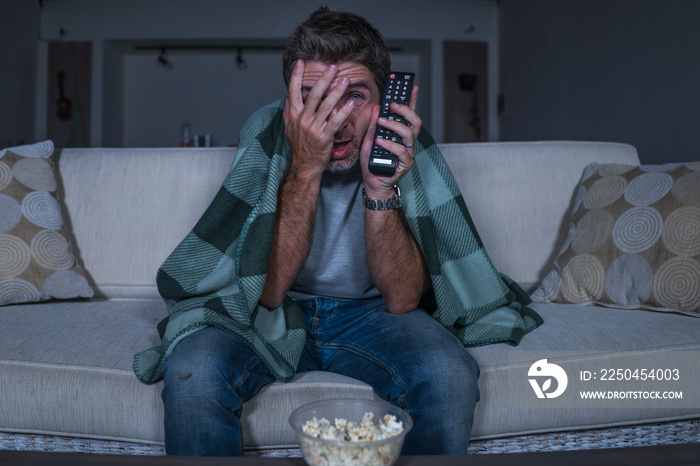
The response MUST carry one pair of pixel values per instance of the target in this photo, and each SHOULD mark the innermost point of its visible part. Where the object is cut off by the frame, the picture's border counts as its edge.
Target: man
(338, 284)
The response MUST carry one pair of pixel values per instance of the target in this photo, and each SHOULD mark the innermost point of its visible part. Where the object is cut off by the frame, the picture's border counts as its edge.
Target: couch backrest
(127, 209)
(519, 195)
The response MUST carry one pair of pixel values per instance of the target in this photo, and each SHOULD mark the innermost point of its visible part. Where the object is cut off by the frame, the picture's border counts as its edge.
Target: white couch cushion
(514, 179)
(588, 338)
(129, 208)
(518, 195)
(67, 370)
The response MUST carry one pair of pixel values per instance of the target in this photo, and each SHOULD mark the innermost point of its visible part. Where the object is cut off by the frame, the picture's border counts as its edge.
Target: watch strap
(383, 204)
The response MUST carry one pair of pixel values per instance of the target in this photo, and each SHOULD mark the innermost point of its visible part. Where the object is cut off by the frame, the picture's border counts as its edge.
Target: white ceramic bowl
(318, 451)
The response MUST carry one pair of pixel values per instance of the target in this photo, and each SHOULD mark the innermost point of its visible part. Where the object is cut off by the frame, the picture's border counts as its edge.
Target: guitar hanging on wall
(64, 104)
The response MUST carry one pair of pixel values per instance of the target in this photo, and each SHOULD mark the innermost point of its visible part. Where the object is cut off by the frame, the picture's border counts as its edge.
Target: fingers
(315, 98)
(329, 104)
(285, 112)
(408, 131)
(368, 141)
(335, 122)
(414, 98)
(317, 105)
(413, 121)
(313, 114)
(294, 90)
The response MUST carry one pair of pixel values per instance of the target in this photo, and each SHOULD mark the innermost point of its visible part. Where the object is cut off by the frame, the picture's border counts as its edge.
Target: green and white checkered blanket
(216, 274)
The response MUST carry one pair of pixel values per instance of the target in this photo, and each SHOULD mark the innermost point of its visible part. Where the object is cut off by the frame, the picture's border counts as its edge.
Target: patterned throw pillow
(634, 240)
(36, 258)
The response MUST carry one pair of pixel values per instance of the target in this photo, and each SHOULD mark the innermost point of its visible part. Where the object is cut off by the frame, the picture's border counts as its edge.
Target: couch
(66, 364)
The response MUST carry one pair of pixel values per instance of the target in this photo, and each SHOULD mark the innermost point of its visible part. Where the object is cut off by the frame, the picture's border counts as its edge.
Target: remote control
(398, 89)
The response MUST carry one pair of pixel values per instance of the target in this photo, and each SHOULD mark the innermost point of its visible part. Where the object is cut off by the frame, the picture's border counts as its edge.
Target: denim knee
(448, 379)
(199, 361)
(208, 377)
(442, 397)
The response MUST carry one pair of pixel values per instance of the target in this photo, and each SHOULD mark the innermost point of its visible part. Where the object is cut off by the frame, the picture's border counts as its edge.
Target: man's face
(363, 90)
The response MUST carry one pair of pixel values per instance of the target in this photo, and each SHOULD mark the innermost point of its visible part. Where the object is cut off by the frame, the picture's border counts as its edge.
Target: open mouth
(340, 148)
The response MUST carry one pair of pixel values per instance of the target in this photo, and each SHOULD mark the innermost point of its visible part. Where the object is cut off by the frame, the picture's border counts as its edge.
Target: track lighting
(239, 60)
(238, 49)
(164, 62)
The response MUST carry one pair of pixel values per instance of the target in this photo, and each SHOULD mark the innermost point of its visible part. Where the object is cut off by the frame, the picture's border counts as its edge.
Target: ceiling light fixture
(239, 59)
(164, 62)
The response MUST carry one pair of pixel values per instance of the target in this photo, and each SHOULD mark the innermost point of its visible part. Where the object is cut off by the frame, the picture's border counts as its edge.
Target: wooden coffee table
(679, 454)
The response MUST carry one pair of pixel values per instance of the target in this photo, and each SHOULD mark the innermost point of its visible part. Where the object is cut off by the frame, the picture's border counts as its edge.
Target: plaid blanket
(216, 274)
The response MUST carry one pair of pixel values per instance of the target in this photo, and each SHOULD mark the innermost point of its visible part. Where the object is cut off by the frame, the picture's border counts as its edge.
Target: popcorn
(352, 432)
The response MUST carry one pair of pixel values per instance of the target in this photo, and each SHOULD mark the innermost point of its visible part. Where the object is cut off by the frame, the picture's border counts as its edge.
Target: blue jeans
(410, 360)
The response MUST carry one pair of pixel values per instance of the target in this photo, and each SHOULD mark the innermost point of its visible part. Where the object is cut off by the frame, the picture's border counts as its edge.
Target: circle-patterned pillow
(634, 240)
(36, 258)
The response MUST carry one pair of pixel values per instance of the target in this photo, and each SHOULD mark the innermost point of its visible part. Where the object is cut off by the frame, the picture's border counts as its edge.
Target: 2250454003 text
(661, 375)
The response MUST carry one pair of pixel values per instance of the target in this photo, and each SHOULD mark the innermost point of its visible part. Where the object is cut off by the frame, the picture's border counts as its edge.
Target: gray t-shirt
(337, 263)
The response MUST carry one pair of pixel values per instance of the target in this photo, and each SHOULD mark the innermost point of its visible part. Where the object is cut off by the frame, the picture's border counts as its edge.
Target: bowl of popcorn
(350, 432)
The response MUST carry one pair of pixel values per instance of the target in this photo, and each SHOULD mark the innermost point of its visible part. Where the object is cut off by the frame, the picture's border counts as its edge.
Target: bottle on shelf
(202, 140)
(186, 141)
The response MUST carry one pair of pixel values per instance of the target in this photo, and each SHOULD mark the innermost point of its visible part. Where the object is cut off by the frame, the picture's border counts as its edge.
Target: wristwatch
(383, 204)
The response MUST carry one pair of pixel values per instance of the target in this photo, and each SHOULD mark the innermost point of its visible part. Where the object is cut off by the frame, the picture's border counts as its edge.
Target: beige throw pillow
(634, 240)
(36, 258)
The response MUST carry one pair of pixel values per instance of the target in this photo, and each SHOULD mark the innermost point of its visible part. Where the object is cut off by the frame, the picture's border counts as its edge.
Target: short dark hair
(336, 37)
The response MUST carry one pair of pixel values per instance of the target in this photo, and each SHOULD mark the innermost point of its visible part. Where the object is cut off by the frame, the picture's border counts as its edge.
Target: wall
(158, 100)
(622, 70)
(115, 27)
(19, 33)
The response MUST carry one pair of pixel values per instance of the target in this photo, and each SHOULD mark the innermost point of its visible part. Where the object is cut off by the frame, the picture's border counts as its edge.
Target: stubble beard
(338, 167)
